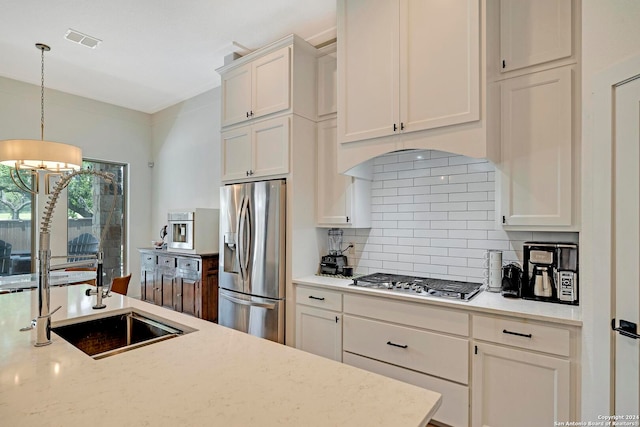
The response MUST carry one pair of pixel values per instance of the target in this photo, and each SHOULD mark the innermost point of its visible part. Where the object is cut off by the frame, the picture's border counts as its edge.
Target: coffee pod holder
(492, 270)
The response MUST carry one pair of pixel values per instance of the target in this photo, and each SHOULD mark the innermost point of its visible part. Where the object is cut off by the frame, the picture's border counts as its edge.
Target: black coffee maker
(511, 280)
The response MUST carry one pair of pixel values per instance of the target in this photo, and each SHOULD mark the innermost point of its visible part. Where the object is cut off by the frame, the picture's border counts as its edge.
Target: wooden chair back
(120, 285)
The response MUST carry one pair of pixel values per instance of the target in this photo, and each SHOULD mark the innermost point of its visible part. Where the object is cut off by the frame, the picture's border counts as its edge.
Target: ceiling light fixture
(81, 38)
(34, 155)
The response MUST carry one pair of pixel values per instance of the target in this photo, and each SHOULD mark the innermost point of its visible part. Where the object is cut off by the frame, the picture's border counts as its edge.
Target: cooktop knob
(407, 285)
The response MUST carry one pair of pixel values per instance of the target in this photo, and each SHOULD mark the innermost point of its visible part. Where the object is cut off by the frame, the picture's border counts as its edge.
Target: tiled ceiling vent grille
(83, 39)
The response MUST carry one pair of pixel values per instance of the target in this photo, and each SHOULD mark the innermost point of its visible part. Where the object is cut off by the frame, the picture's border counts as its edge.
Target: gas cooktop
(421, 286)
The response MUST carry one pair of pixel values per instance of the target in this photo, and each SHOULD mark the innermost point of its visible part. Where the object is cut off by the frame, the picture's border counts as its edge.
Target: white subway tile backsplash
(473, 215)
(431, 198)
(402, 216)
(429, 250)
(400, 166)
(482, 186)
(395, 183)
(449, 188)
(413, 173)
(397, 200)
(430, 216)
(430, 180)
(480, 196)
(384, 192)
(400, 232)
(468, 177)
(449, 206)
(433, 214)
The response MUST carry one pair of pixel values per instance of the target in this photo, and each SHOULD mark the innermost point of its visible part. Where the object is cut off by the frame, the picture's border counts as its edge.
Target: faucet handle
(34, 321)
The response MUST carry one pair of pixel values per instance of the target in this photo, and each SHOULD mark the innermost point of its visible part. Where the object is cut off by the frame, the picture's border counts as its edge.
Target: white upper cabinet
(534, 32)
(406, 65)
(327, 100)
(279, 78)
(439, 63)
(343, 201)
(537, 159)
(256, 89)
(410, 77)
(257, 150)
(270, 83)
(368, 68)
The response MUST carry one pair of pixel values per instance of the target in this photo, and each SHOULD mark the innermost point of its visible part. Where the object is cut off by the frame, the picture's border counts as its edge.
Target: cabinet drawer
(419, 315)
(435, 354)
(453, 411)
(521, 333)
(148, 261)
(321, 298)
(188, 264)
(166, 261)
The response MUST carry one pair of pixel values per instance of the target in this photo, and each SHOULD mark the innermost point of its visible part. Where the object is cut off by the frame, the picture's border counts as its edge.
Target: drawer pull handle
(504, 331)
(318, 298)
(397, 345)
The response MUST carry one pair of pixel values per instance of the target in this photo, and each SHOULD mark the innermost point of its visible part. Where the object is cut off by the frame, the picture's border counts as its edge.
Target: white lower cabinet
(513, 383)
(453, 410)
(492, 370)
(319, 322)
(412, 343)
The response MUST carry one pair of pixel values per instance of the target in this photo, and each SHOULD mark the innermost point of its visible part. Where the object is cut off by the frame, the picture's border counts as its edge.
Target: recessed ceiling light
(83, 39)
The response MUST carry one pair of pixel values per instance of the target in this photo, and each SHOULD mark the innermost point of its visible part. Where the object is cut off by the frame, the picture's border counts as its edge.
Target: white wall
(103, 132)
(610, 33)
(186, 156)
(433, 215)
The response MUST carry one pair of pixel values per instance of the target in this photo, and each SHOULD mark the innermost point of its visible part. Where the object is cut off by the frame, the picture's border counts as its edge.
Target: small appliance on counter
(335, 262)
(511, 280)
(551, 272)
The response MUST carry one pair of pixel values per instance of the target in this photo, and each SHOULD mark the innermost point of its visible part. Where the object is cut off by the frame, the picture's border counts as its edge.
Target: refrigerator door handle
(241, 238)
(268, 306)
(249, 238)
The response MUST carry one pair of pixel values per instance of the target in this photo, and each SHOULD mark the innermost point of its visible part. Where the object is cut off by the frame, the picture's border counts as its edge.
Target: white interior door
(626, 257)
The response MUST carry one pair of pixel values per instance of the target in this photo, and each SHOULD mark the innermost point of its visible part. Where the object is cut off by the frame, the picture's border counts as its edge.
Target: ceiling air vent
(83, 39)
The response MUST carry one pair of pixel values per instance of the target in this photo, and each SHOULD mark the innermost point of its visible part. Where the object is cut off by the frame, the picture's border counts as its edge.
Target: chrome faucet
(43, 321)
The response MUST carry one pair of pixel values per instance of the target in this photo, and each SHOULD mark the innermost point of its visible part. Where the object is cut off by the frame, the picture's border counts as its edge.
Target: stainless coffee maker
(551, 272)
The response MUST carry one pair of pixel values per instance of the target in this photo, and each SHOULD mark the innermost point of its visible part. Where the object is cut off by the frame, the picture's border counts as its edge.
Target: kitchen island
(213, 376)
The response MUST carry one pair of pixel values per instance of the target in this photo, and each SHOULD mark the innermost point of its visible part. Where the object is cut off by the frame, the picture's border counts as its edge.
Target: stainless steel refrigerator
(252, 258)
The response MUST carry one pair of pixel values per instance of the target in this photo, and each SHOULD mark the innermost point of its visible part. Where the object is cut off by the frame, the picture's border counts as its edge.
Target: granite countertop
(30, 281)
(484, 302)
(213, 376)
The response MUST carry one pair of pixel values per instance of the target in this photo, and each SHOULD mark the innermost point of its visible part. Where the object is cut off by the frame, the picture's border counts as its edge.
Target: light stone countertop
(484, 302)
(214, 376)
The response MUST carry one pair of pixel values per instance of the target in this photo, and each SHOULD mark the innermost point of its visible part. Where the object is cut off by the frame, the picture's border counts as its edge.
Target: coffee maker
(334, 262)
(551, 272)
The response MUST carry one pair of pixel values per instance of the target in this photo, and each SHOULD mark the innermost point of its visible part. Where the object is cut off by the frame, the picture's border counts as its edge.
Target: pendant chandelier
(33, 155)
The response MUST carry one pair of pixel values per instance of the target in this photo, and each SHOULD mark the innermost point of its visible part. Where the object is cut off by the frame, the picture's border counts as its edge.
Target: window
(89, 202)
(16, 238)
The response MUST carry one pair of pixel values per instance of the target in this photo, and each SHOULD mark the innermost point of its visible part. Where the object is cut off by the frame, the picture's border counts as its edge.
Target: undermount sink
(107, 336)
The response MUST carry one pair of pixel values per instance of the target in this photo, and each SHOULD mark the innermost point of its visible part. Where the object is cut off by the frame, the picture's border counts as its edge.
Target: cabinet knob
(251, 113)
(178, 295)
(395, 127)
(247, 114)
(401, 126)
